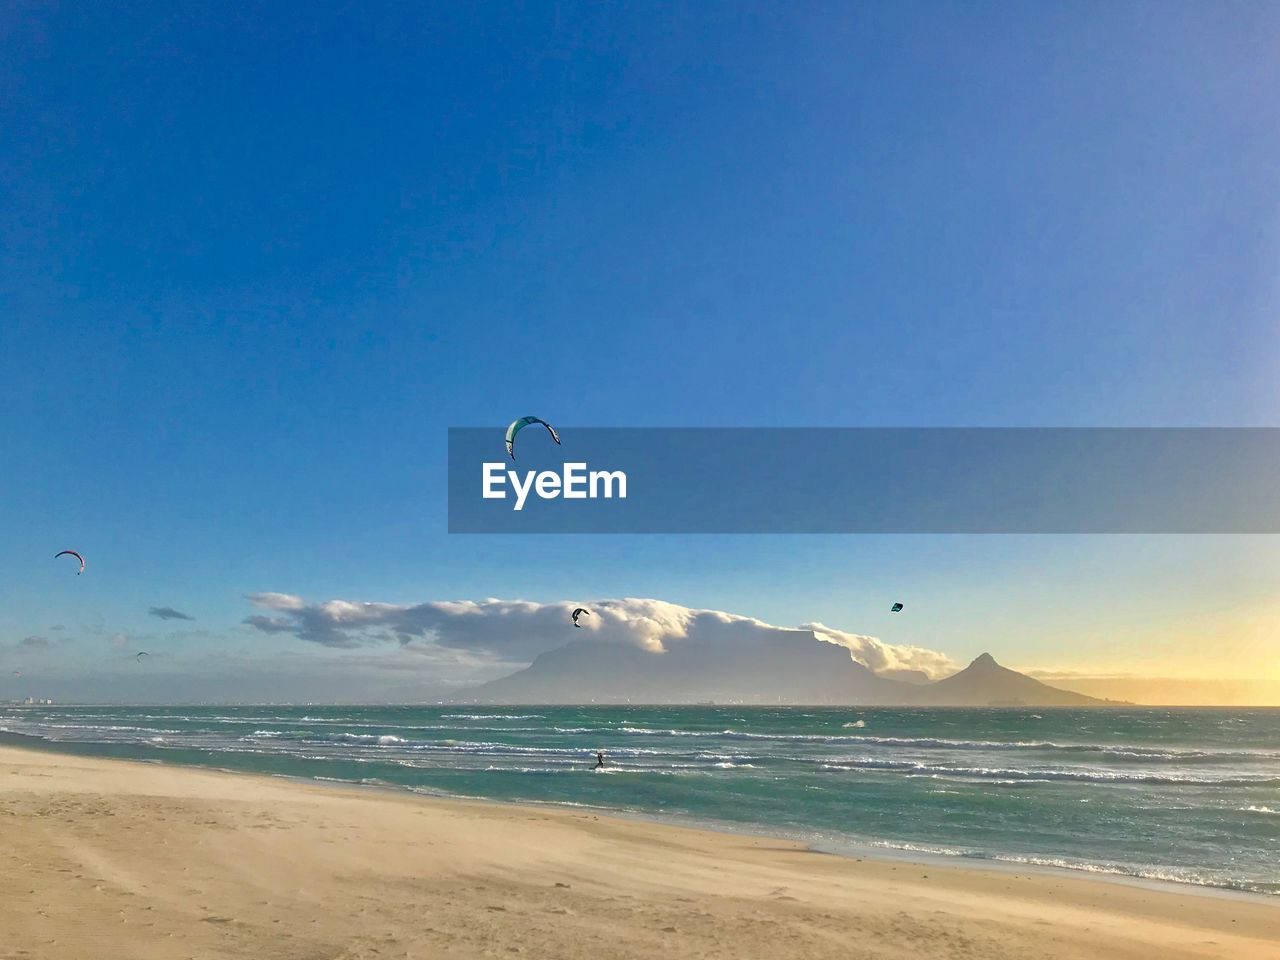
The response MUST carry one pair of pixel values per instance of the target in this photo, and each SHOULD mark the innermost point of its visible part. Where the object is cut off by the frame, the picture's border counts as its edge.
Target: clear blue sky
(254, 261)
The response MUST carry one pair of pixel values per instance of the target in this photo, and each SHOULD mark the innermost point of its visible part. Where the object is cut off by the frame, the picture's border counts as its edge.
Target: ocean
(1186, 795)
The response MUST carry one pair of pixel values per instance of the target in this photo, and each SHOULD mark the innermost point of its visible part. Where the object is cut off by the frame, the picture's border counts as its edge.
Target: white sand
(103, 859)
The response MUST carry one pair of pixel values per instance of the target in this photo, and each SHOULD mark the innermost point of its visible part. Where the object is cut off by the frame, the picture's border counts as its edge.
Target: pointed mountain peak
(984, 683)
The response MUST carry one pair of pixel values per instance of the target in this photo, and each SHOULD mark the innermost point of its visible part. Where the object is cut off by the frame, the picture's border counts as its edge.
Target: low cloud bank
(168, 613)
(516, 631)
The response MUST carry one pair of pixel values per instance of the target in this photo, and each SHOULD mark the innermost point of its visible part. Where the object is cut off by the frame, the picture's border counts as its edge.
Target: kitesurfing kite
(897, 607)
(579, 612)
(518, 425)
(141, 654)
(72, 553)
(17, 673)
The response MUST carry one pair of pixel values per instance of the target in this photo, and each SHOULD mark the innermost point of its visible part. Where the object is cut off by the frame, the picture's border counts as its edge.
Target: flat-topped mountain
(786, 667)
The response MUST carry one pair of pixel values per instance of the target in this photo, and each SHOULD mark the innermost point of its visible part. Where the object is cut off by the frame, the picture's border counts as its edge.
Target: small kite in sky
(579, 612)
(72, 553)
(896, 608)
(518, 425)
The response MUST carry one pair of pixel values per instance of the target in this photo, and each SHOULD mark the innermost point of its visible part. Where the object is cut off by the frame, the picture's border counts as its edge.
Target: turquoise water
(1189, 795)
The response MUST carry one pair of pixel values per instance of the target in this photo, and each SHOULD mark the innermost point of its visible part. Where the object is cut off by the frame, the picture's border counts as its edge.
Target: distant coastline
(795, 669)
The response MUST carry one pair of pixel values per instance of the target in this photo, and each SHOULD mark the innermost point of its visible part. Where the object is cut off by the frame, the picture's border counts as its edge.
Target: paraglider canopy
(579, 612)
(518, 425)
(895, 608)
(71, 553)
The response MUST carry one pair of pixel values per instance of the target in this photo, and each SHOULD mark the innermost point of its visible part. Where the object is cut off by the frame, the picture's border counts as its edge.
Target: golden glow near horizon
(1172, 691)
(1231, 660)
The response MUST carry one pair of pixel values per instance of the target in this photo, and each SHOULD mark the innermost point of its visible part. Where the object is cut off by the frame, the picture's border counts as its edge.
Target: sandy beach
(114, 859)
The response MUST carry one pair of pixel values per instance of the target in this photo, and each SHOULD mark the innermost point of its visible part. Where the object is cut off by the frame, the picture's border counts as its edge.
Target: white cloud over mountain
(516, 631)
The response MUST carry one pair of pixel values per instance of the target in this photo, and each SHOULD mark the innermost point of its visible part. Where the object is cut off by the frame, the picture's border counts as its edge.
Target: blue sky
(254, 263)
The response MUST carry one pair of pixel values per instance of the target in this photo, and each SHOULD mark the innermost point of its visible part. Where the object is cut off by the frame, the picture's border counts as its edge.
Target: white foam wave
(1119, 751)
(1139, 871)
(997, 774)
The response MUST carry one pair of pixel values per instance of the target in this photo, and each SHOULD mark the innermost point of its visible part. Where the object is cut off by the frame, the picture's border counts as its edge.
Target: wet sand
(108, 859)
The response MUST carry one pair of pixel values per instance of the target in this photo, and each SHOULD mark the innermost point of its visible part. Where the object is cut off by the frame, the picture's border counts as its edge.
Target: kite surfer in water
(599, 760)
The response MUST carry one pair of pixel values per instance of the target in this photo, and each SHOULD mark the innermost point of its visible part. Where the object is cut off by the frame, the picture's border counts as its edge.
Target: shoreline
(852, 849)
(838, 846)
(125, 859)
